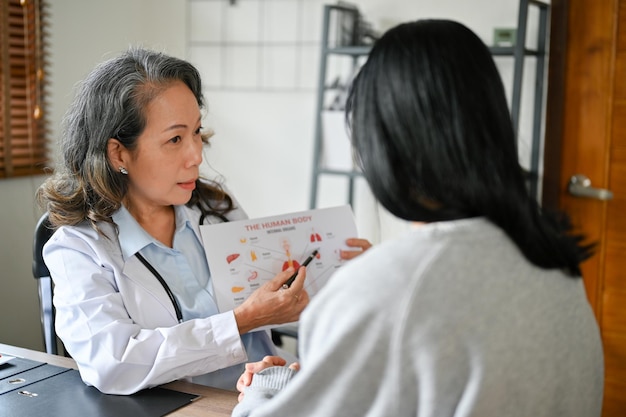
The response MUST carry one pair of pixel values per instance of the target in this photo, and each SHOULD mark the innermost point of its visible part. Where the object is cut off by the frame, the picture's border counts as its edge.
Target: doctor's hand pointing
(271, 304)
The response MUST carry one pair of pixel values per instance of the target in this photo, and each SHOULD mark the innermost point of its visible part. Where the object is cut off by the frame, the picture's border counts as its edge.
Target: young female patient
(479, 312)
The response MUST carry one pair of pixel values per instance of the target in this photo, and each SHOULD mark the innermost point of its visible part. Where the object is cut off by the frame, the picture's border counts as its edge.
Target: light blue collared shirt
(183, 267)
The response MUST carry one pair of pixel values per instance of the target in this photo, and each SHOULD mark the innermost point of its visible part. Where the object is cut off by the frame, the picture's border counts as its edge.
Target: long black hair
(432, 131)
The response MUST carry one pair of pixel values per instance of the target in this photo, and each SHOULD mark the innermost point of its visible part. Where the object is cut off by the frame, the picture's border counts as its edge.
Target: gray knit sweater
(448, 320)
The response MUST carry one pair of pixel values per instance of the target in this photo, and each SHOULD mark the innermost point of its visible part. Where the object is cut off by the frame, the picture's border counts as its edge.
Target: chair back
(43, 232)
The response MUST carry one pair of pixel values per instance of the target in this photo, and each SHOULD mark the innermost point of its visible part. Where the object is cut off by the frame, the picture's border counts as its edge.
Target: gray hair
(109, 103)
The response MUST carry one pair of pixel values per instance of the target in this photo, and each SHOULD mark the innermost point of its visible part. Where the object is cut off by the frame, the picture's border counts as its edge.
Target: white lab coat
(117, 321)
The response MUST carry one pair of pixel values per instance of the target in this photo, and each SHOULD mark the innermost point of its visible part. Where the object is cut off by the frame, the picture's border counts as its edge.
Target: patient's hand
(255, 367)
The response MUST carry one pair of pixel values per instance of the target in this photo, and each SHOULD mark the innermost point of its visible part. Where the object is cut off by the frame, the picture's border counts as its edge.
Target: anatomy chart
(245, 254)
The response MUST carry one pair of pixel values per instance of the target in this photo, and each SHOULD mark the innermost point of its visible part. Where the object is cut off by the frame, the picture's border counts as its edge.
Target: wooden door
(586, 134)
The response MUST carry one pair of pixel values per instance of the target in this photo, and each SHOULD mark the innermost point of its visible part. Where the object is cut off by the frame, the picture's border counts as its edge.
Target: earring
(123, 170)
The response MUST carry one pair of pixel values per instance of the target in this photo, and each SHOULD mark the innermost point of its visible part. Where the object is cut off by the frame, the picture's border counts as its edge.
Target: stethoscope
(170, 294)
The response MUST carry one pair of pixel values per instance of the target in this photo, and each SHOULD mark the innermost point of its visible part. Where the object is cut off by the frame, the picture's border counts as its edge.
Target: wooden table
(213, 402)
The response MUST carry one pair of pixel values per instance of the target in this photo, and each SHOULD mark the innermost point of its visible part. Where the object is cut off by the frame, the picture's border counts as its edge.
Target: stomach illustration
(253, 275)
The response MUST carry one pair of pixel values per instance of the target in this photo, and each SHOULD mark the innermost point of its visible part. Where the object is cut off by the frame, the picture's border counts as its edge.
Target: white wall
(263, 143)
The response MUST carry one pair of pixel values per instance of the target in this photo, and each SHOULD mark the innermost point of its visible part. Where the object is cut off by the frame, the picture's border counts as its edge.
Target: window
(23, 125)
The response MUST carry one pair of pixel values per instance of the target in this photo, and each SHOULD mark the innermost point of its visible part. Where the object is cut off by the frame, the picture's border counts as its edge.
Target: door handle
(580, 186)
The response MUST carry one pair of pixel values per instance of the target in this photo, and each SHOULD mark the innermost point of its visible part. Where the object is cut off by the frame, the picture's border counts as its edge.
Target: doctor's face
(163, 168)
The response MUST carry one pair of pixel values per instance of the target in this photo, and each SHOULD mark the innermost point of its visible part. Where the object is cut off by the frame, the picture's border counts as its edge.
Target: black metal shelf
(340, 14)
(510, 51)
(348, 50)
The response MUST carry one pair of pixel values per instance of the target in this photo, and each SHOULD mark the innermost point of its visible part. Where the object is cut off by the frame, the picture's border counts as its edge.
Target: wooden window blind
(23, 120)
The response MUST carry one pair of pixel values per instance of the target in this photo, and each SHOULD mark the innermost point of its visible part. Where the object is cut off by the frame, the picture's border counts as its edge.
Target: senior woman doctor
(133, 296)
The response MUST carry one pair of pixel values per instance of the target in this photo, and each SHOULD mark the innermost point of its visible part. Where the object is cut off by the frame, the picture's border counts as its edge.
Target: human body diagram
(243, 255)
